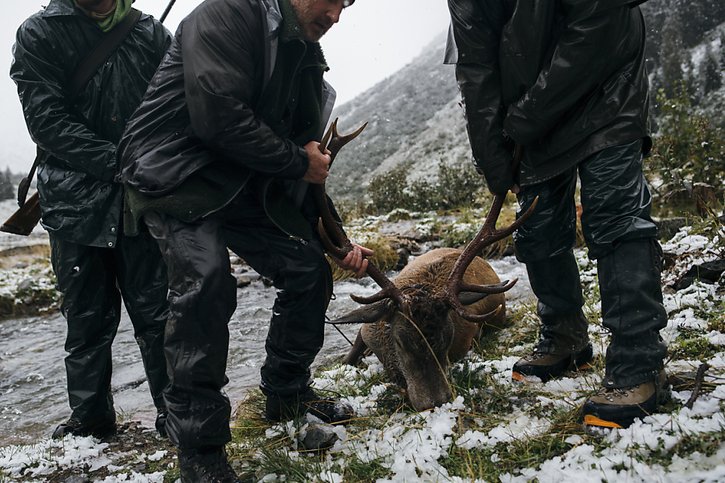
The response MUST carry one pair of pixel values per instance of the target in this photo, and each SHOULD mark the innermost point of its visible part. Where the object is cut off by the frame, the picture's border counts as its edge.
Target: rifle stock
(25, 218)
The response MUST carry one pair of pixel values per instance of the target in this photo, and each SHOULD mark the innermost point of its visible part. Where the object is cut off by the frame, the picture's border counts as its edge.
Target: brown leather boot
(563, 346)
(547, 366)
(619, 407)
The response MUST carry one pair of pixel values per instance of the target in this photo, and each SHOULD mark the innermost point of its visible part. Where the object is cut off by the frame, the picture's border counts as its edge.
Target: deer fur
(419, 365)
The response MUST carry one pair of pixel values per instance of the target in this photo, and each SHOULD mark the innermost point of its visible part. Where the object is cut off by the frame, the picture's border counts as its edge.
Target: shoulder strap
(83, 73)
(90, 64)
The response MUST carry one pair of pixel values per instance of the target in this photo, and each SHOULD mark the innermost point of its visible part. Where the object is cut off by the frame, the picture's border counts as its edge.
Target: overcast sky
(374, 39)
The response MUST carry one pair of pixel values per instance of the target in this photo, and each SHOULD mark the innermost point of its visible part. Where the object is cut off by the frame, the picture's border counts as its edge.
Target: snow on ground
(414, 447)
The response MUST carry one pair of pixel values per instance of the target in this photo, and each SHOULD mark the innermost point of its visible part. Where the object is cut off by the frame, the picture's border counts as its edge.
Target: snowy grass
(498, 430)
(493, 430)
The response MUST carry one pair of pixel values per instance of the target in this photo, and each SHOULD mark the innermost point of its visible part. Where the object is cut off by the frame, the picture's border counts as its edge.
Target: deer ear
(364, 315)
(468, 298)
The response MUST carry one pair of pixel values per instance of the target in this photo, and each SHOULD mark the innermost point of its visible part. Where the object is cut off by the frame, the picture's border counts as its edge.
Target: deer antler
(487, 235)
(333, 236)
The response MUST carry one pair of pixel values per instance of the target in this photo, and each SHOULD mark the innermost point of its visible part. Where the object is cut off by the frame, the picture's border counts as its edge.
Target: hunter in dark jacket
(96, 265)
(565, 80)
(218, 157)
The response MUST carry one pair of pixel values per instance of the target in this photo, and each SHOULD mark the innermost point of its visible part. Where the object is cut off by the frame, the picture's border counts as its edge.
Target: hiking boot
(329, 411)
(160, 423)
(546, 366)
(209, 465)
(619, 407)
(101, 429)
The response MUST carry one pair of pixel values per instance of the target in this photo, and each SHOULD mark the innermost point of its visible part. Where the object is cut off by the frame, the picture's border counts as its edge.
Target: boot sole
(575, 367)
(591, 420)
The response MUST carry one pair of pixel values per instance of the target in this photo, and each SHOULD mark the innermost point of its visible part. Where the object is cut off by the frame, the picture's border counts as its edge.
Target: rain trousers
(96, 265)
(212, 161)
(566, 80)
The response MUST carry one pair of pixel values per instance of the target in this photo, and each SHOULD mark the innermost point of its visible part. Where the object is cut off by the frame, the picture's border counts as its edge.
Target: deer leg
(358, 350)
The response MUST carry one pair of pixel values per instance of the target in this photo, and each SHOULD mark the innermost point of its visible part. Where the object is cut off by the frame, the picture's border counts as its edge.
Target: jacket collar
(61, 8)
(273, 16)
(291, 29)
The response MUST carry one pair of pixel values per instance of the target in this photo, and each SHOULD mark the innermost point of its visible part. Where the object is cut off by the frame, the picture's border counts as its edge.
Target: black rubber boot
(98, 429)
(328, 410)
(206, 465)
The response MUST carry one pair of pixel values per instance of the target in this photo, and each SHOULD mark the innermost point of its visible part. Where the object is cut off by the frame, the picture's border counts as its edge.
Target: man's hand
(355, 260)
(317, 170)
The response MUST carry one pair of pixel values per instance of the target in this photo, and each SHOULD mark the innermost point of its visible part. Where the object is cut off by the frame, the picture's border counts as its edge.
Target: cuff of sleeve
(520, 127)
(297, 166)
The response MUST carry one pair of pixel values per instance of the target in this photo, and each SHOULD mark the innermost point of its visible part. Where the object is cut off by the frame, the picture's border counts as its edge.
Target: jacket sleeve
(476, 28)
(223, 57)
(53, 124)
(582, 60)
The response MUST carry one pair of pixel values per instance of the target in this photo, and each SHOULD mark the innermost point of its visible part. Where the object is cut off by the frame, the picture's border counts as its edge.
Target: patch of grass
(691, 345)
(385, 257)
(706, 444)
(364, 472)
(490, 463)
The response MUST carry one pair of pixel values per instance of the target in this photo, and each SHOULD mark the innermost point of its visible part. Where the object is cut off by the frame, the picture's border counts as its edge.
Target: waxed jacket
(79, 199)
(562, 78)
(198, 136)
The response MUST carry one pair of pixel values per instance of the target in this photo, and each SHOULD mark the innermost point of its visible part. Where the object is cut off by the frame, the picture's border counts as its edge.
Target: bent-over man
(220, 156)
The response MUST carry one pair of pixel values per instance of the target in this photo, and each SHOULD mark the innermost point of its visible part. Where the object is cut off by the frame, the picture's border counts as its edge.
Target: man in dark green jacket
(566, 81)
(219, 156)
(96, 265)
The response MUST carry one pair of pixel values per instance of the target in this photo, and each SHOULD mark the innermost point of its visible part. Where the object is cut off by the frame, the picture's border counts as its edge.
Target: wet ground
(32, 376)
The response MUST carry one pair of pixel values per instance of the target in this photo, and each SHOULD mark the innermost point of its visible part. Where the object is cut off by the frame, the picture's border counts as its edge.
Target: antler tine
(332, 234)
(338, 141)
(487, 235)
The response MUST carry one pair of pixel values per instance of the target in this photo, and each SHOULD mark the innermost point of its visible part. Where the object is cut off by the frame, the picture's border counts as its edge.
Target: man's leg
(142, 280)
(91, 306)
(545, 243)
(622, 238)
(202, 298)
(303, 281)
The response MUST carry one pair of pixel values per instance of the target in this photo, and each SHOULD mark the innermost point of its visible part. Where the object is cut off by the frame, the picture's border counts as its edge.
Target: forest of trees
(675, 26)
(7, 185)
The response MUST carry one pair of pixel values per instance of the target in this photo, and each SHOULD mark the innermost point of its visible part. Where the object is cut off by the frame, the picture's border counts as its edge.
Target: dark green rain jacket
(80, 200)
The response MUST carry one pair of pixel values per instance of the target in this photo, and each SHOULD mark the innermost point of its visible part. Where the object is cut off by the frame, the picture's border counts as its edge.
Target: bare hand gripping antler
(332, 234)
(487, 235)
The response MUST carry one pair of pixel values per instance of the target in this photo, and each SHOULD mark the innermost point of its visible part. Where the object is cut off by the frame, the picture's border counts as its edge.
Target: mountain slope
(397, 110)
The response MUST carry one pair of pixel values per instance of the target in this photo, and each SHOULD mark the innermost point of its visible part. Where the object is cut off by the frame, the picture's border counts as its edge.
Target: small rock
(319, 437)
(25, 285)
(77, 479)
(243, 281)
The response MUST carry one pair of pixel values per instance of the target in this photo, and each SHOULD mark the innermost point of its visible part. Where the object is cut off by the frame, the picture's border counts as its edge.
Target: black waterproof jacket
(79, 199)
(198, 136)
(563, 78)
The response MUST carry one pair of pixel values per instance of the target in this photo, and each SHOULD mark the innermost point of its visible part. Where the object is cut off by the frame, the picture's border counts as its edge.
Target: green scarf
(112, 18)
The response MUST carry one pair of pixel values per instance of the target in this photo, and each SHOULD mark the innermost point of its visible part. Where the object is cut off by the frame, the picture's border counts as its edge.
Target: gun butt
(25, 218)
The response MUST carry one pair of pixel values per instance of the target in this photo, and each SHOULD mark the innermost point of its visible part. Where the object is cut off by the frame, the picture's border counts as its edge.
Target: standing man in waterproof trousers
(566, 81)
(219, 156)
(95, 263)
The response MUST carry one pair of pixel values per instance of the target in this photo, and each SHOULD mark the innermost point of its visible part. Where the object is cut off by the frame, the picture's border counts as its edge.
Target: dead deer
(433, 311)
